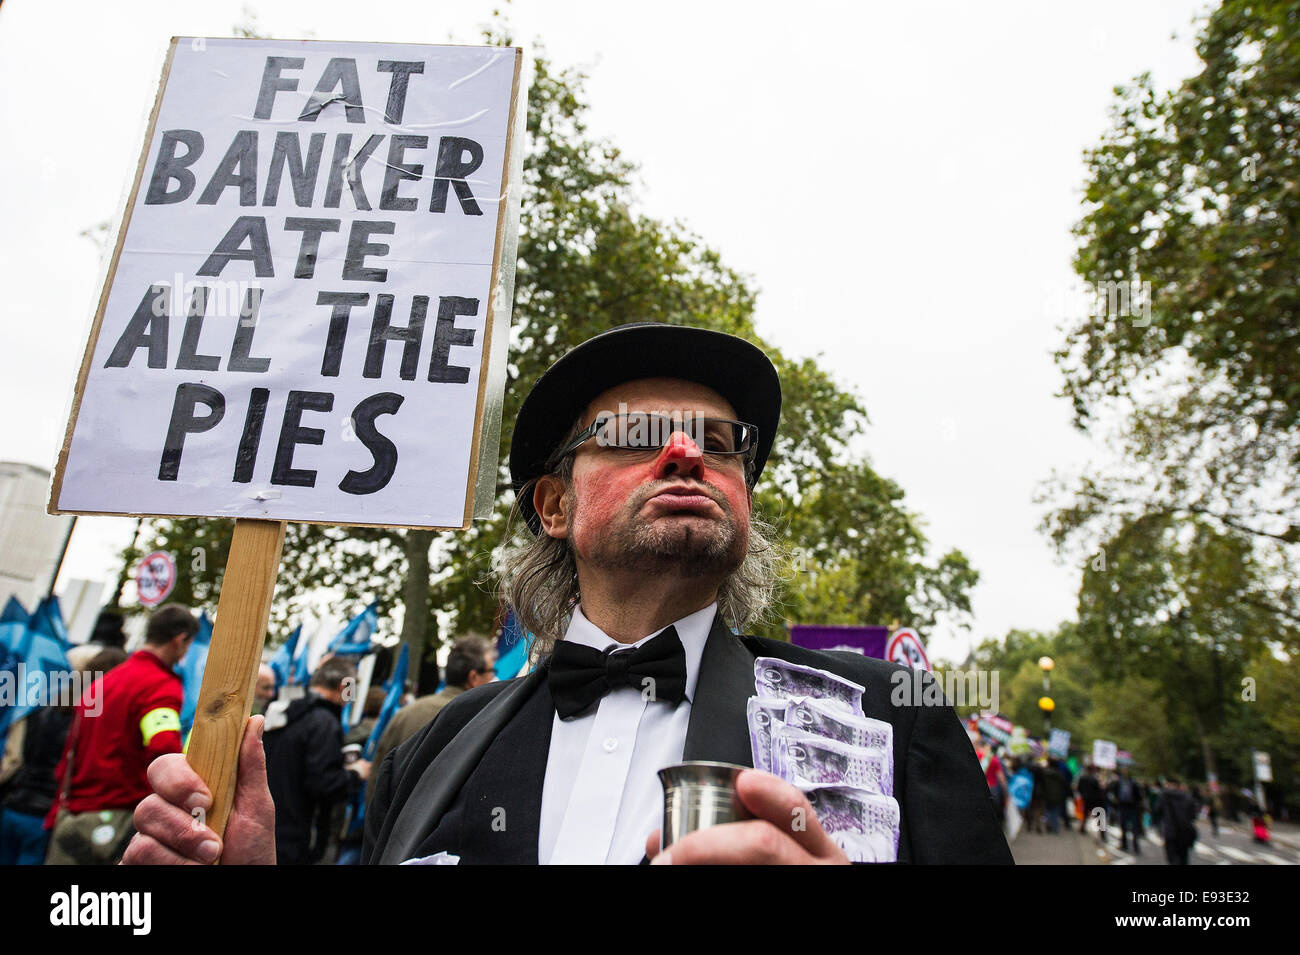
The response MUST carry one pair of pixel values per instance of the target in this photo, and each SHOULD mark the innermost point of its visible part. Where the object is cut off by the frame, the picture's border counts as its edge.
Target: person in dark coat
(1155, 793)
(1090, 792)
(1126, 795)
(1036, 815)
(629, 570)
(1213, 804)
(304, 764)
(30, 793)
(1178, 822)
(471, 663)
(1055, 789)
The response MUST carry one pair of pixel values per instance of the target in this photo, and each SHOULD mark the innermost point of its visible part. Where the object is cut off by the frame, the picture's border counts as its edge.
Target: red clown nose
(680, 456)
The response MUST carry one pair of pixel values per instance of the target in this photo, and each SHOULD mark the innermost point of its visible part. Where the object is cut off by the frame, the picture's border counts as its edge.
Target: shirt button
(611, 744)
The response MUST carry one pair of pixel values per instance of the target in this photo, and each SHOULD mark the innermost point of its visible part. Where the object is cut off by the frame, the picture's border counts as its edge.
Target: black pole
(116, 603)
(63, 551)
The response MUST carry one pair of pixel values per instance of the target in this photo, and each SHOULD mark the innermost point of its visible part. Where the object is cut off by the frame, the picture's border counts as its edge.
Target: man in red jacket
(123, 722)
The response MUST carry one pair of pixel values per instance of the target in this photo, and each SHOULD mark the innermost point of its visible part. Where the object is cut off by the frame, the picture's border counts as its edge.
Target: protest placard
(155, 576)
(306, 315)
(1105, 754)
(301, 308)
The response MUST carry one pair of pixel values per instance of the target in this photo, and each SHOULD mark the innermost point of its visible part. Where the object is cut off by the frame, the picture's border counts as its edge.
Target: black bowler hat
(734, 368)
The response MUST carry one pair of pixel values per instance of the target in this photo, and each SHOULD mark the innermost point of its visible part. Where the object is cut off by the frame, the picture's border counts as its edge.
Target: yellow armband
(159, 721)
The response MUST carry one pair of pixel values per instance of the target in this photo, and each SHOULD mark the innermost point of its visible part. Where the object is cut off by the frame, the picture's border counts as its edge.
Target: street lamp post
(1046, 703)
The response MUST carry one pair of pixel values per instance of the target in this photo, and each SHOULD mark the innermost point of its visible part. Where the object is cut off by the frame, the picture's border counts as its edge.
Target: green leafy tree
(1020, 646)
(1133, 713)
(1195, 195)
(1264, 714)
(1021, 689)
(1015, 659)
(1186, 368)
(1184, 604)
(859, 555)
(1278, 700)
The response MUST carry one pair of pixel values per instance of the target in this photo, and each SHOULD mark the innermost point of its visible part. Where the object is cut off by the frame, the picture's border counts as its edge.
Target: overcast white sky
(899, 180)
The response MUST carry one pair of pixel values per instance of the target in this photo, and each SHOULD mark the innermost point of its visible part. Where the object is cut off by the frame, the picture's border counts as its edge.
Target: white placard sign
(1263, 766)
(308, 289)
(1105, 754)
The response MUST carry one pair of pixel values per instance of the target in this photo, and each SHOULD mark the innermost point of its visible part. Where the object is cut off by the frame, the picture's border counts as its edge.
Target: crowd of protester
(74, 770)
(1046, 797)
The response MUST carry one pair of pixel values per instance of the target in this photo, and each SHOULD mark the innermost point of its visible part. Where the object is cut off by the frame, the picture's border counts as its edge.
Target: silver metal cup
(698, 795)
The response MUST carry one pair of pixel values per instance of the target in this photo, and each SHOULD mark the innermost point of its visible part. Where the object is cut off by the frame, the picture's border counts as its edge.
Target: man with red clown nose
(634, 460)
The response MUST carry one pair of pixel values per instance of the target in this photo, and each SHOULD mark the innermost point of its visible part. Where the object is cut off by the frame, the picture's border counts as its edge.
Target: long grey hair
(538, 576)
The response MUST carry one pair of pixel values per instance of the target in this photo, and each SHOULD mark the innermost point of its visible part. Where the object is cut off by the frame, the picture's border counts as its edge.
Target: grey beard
(682, 551)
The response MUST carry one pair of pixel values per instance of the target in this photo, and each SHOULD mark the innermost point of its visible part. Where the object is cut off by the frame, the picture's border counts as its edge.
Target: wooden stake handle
(238, 636)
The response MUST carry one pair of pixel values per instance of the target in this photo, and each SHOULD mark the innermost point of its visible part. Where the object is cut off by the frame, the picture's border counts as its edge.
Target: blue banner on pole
(282, 661)
(13, 612)
(354, 639)
(395, 687)
(33, 659)
(190, 670)
(512, 649)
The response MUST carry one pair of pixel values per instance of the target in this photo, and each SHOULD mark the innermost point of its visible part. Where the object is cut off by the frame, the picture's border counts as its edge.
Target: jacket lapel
(718, 729)
(443, 778)
(500, 806)
(512, 775)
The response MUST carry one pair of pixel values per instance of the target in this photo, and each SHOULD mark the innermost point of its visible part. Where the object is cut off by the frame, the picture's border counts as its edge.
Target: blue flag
(47, 619)
(395, 687)
(282, 662)
(299, 675)
(354, 639)
(13, 612)
(13, 633)
(512, 649)
(13, 630)
(33, 659)
(190, 670)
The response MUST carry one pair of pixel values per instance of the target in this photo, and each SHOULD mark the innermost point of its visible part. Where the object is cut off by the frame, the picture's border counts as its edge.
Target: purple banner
(869, 641)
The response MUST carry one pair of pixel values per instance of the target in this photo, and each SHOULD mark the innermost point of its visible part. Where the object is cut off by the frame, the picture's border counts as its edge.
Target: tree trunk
(1211, 769)
(415, 598)
(1193, 697)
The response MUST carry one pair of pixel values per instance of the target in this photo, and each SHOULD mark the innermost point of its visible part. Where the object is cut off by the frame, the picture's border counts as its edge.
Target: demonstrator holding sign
(651, 530)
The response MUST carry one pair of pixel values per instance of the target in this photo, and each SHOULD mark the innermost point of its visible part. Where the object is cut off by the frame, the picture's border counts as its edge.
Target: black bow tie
(580, 676)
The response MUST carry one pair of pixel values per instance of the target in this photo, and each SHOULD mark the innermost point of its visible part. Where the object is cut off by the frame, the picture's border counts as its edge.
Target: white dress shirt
(601, 797)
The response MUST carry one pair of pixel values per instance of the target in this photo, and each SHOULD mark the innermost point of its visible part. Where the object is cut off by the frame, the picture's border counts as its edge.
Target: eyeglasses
(642, 431)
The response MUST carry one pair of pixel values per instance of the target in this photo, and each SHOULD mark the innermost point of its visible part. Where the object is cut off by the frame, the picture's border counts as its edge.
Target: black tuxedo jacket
(470, 783)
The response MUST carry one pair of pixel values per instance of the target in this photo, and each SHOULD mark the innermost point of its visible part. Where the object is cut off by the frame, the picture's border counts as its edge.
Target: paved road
(1064, 848)
(1234, 845)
